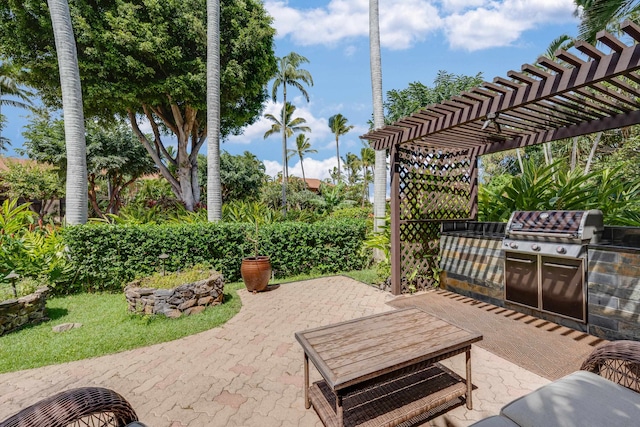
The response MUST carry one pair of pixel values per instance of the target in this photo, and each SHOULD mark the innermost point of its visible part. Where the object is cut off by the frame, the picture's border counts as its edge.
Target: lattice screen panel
(434, 186)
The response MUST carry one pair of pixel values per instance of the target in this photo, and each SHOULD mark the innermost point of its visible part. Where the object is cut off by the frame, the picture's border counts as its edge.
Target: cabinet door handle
(525, 261)
(552, 264)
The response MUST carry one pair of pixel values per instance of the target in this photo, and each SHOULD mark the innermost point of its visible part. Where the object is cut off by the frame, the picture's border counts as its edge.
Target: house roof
(549, 100)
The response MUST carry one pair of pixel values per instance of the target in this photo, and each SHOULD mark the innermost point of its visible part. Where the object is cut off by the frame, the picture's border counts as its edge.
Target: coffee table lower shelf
(392, 402)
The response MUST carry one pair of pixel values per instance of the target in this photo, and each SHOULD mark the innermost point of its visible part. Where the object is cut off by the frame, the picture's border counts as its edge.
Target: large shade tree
(115, 159)
(289, 74)
(146, 60)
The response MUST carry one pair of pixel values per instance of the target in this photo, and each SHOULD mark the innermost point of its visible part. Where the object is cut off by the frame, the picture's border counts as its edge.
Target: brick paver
(249, 371)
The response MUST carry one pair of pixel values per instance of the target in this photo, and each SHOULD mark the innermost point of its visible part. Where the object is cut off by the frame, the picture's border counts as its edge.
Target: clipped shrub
(106, 256)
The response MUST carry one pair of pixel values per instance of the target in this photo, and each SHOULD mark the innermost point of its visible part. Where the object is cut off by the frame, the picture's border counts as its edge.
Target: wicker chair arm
(618, 361)
(101, 406)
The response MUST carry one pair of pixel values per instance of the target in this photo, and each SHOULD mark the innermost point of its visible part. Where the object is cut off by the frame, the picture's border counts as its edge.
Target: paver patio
(249, 371)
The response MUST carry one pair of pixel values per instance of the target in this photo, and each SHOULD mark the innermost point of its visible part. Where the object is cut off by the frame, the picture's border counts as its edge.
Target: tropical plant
(556, 187)
(9, 86)
(242, 176)
(33, 182)
(380, 241)
(303, 147)
(289, 74)
(338, 125)
(76, 147)
(596, 15)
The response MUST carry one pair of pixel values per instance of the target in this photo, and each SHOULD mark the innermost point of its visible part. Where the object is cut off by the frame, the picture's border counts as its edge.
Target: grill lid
(574, 225)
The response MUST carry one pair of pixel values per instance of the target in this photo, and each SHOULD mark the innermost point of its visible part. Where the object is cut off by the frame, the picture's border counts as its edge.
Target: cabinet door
(563, 287)
(521, 278)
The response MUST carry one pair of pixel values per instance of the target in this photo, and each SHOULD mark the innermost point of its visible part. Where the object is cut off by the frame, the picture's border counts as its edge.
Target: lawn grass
(107, 326)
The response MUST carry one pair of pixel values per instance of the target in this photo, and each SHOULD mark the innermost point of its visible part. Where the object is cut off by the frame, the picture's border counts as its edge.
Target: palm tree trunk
(574, 153)
(214, 184)
(380, 175)
(304, 178)
(285, 165)
(520, 160)
(592, 153)
(77, 192)
(338, 156)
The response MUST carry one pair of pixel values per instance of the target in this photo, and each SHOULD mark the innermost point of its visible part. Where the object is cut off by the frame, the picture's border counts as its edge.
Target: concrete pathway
(249, 371)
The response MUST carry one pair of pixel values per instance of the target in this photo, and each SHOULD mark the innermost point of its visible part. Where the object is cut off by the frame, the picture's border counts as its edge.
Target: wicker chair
(617, 361)
(87, 406)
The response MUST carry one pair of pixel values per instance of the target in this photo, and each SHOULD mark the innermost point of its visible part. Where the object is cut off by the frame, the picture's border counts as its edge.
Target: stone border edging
(15, 313)
(187, 299)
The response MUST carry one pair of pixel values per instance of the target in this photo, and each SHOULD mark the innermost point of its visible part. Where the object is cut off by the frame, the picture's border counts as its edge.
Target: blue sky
(418, 37)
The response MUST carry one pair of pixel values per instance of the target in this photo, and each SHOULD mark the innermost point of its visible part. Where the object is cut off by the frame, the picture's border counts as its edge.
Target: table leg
(339, 411)
(307, 401)
(469, 386)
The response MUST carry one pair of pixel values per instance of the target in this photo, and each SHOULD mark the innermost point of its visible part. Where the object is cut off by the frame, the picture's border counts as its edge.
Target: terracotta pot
(256, 273)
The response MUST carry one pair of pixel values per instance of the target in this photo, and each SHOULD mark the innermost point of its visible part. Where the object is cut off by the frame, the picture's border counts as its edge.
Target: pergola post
(396, 252)
(473, 193)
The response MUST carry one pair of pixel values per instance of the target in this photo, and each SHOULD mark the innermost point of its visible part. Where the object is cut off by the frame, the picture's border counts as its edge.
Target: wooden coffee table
(381, 370)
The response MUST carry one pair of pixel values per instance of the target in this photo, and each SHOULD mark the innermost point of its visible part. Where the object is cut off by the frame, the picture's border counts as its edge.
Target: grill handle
(529, 233)
(524, 261)
(553, 264)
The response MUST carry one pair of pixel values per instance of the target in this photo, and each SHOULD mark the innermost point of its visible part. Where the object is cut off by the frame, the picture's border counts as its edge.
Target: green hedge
(107, 256)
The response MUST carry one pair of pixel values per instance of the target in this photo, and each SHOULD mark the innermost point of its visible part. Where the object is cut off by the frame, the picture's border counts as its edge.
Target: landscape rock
(66, 327)
(194, 310)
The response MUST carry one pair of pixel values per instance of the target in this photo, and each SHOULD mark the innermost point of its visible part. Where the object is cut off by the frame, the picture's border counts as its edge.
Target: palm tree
(352, 166)
(367, 158)
(9, 86)
(290, 74)
(214, 184)
(597, 15)
(380, 175)
(303, 147)
(338, 125)
(292, 125)
(77, 192)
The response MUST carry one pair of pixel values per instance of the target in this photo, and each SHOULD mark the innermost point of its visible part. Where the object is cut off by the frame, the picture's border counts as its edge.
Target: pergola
(434, 152)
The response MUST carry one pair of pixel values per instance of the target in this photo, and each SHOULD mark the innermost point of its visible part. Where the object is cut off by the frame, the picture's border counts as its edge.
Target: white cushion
(581, 399)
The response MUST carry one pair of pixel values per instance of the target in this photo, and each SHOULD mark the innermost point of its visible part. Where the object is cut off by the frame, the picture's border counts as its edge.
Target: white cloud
(467, 24)
(313, 168)
(402, 22)
(272, 168)
(460, 5)
(502, 23)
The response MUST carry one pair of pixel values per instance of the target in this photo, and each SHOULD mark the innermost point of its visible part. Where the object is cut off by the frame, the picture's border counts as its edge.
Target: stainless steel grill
(546, 259)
